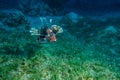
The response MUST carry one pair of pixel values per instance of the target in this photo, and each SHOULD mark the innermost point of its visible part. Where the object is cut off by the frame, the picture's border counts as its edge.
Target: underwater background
(87, 49)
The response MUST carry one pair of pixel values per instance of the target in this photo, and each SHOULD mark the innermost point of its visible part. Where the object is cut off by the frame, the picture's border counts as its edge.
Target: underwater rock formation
(111, 29)
(74, 17)
(14, 19)
(109, 34)
(34, 8)
(109, 38)
(71, 19)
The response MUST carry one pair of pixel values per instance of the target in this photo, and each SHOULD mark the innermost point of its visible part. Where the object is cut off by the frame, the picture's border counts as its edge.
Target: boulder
(74, 17)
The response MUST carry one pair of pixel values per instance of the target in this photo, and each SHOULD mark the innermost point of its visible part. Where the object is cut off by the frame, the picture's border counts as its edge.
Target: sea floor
(85, 51)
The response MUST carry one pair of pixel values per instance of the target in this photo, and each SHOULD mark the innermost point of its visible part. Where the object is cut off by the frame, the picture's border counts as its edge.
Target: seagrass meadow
(59, 39)
(86, 50)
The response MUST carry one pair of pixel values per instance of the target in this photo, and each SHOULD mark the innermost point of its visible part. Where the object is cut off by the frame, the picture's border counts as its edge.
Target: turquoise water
(87, 49)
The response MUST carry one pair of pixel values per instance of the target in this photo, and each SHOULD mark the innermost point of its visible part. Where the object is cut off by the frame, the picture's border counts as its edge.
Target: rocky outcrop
(34, 8)
(14, 19)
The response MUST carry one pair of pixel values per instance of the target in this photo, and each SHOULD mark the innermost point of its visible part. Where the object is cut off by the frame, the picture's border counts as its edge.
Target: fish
(53, 38)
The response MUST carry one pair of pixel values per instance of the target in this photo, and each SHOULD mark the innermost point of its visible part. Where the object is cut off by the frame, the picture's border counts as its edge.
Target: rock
(111, 29)
(108, 36)
(34, 8)
(74, 17)
(14, 19)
